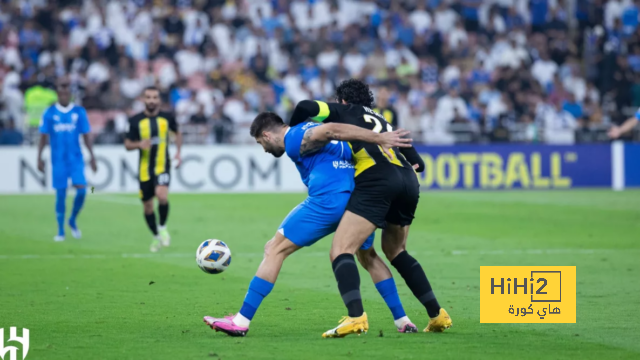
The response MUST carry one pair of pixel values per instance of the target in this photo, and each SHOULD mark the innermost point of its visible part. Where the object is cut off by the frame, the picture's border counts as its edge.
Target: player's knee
(366, 258)
(162, 197)
(148, 206)
(268, 247)
(391, 249)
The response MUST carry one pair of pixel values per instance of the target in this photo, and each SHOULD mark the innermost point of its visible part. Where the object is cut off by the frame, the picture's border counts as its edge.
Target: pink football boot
(408, 328)
(226, 325)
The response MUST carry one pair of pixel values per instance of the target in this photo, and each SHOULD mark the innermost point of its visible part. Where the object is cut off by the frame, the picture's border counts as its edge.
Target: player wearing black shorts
(149, 133)
(385, 196)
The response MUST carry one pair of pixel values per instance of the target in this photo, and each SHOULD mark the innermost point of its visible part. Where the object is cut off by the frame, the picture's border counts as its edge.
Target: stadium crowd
(557, 71)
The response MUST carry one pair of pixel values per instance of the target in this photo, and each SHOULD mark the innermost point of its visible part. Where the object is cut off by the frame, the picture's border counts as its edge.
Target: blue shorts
(62, 173)
(315, 218)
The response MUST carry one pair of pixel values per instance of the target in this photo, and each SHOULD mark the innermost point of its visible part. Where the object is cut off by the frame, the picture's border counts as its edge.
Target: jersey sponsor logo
(64, 127)
(341, 164)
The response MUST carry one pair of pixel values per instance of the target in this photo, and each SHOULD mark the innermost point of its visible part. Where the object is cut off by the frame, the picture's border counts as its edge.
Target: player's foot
(349, 325)
(165, 238)
(58, 238)
(439, 323)
(408, 328)
(226, 325)
(156, 244)
(75, 232)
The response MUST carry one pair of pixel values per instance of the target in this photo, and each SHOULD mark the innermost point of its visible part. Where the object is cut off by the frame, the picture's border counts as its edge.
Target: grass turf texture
(93, 298)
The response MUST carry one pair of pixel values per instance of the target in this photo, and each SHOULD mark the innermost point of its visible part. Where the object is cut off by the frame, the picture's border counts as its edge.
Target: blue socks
(389, 292)
(258, 290)
(61, 195)
(81, 193)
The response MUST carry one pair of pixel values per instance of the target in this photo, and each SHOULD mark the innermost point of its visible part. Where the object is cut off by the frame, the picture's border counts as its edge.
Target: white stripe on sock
(242, 321)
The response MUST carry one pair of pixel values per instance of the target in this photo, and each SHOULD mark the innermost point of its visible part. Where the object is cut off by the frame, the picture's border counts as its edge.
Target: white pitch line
(316, 254)
(116, 200)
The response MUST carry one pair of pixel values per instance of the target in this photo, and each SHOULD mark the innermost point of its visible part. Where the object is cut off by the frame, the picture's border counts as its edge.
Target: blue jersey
(327, 171)
(64, 125)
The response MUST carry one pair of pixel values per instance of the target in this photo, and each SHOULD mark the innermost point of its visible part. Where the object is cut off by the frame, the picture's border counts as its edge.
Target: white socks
(241, 320)
(401, 322)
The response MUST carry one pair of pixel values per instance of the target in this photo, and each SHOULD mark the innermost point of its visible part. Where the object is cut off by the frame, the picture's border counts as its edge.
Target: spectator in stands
(228, 53)
(108, 135)
(9, 136)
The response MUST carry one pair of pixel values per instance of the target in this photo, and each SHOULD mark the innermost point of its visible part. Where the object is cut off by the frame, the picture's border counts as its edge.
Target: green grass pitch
(93, 298)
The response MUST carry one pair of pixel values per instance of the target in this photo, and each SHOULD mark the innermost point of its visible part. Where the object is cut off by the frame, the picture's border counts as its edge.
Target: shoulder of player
(79, 109)
(166, 114)
(137, 117)
(49, 111)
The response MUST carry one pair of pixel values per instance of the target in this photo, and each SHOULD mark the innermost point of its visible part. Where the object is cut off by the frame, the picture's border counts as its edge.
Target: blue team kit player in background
(326, 167)
(62, 124)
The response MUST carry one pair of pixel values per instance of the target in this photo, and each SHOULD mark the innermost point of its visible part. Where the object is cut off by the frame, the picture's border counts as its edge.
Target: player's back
(367, 156)
(64, 125)
(326, 171)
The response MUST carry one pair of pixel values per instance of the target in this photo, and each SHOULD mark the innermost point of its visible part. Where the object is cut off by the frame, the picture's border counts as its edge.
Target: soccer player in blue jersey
(326, 167)
(62, 124)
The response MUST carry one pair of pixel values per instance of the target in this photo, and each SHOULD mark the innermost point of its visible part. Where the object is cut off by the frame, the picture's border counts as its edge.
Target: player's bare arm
(44, 138)
(89, 144)
(617, 131)
(316, 137)
(144, 144)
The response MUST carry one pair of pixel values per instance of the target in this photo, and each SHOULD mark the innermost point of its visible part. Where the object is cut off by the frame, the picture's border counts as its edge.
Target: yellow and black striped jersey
(366, 155)
(155, 160)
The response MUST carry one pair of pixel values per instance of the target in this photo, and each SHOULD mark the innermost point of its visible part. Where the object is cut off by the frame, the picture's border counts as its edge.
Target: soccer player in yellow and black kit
(385, 196)
(149, 133)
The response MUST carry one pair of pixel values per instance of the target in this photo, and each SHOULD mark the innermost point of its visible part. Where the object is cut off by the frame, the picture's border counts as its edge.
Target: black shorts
(388, 195)
(148, 188)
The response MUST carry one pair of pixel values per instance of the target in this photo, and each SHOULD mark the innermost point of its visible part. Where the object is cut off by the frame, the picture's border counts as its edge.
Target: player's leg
(386, 286)
(305, 224)
(394, 243)
(61, 197)
(60, 183)
(147, 192)
(275, 252)
(80, 183)
(162, 194)
(366, 210)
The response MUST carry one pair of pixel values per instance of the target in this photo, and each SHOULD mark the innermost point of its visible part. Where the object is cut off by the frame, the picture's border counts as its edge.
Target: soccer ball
(213, 256)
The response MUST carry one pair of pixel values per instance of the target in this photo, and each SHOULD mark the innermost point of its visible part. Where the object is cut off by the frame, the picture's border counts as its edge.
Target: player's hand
(394, 139)
(614, 132)
(145, 144)
(416, 166)
(41, 165)
(93, 164)
(178, 160)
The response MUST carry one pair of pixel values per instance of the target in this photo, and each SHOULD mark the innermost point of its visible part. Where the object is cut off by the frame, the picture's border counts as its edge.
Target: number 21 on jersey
(377, 129)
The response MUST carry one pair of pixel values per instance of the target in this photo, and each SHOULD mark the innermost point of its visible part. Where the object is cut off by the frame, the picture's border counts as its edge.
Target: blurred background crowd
(450, 71)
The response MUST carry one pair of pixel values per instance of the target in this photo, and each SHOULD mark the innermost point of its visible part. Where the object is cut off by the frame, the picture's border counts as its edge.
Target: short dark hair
(151, 88)
(354, 91)
(265, 121)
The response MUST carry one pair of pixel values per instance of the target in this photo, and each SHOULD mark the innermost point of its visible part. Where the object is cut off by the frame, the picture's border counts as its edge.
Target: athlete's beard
(275, 150)
(151, 107)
